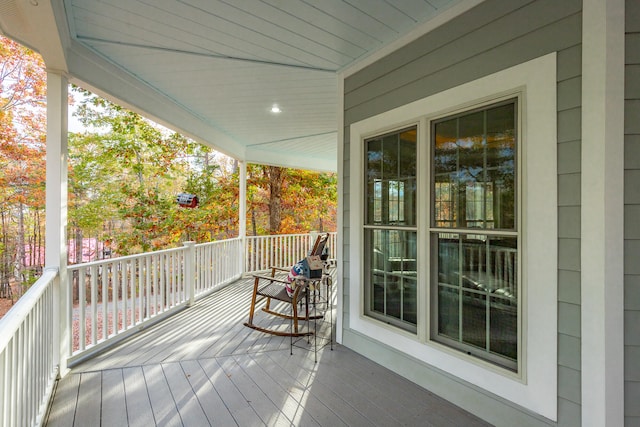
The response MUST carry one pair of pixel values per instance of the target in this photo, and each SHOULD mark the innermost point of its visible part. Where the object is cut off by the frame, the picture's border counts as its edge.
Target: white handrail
(281, 250)
(217, 264)
(28, 366)
(115, 297)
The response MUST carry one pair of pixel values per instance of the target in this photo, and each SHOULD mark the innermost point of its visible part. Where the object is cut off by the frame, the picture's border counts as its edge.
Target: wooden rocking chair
(273, 288)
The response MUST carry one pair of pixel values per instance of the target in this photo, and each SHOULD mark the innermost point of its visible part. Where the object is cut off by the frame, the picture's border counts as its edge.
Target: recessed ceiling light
(275, 109)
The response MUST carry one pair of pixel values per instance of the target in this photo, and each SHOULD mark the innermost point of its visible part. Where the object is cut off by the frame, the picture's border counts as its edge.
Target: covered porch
(306, 86)
(203, 367)
(216, 73)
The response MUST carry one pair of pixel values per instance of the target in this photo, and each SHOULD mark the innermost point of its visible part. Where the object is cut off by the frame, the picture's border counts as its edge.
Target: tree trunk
(78, 281)
(275, 198)
(20, 258)
(254, 225)
(5, 268)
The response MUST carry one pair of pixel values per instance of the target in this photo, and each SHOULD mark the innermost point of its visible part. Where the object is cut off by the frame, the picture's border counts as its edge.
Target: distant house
(33, 255)
(92, 249)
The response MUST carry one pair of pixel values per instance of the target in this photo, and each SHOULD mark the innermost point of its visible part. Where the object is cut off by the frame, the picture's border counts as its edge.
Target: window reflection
(478, 291)
(391, 179)
(474, 169)
(475, 284)
(392, 273)
(390, 236)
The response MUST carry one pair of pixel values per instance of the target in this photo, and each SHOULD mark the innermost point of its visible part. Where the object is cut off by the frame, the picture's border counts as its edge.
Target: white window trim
(535, 387)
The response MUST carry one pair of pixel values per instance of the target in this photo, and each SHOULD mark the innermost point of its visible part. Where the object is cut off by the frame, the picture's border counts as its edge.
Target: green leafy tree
(129, 169)
(126, 173)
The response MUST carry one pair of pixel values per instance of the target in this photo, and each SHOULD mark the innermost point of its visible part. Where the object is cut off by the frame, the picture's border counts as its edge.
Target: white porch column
(56, 209)
(242, 213)
(340, 223)
(602, 215)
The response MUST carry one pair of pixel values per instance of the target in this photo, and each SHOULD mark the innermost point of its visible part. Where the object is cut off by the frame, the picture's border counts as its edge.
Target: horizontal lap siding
(632, 215)
(495, 35)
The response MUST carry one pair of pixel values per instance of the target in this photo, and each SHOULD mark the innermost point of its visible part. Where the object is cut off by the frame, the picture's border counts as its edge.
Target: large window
(474, 234)
(390, 228)
(458, 267)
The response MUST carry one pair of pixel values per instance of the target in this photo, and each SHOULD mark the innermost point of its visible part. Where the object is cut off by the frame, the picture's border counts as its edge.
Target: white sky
(74, 124)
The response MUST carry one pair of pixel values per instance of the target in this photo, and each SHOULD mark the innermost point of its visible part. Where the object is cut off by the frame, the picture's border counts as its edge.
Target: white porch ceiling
(212, 69)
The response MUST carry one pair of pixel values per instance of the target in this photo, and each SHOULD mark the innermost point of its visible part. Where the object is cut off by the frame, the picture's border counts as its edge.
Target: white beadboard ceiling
(213, 69)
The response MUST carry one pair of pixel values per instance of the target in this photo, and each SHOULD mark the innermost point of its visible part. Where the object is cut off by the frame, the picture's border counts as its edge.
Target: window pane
(374, 181)
(448, 274)
(474, 322)
(445, 173)
(477, 292)
(504, 326)
(391, 179)
(474, 161)
(391, 292)
(390, 154)
(410, 304)
(501, 155)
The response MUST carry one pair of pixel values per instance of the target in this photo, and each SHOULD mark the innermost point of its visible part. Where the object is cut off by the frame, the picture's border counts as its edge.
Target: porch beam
(602, 214)
(56, 209)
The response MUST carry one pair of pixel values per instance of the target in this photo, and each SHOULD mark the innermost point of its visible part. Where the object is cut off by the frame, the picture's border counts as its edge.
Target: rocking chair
(274, 288)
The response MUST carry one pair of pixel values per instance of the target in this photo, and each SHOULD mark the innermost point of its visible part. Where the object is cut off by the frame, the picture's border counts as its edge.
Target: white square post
(242, 215)
(602, 213)
(56, 211)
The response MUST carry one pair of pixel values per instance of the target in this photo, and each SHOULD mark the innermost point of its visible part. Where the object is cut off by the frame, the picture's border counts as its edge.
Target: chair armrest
(279, 269)
(270, 278)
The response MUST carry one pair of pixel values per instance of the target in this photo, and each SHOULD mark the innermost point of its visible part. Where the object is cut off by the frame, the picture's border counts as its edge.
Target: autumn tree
(124, 175)
(22, 160)
(284, 200)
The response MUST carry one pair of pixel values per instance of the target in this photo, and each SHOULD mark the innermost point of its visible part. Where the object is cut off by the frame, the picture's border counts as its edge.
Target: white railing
(28, 345)
(263, 252)
(113, 298)
(217, 264)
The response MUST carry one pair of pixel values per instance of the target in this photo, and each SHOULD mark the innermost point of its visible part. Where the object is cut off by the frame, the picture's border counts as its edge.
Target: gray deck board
(189, 406)
(139, 412)
(88, 409)
(63, 407)
(203, 367)
(212, 403)
(162, 403)
(114, 405)
(233, 399)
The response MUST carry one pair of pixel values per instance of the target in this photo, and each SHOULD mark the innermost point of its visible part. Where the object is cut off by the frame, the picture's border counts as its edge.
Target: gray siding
(493, 36)
(632, 215)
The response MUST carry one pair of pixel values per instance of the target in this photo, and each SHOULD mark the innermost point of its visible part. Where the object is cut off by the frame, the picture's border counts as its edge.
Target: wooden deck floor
(202, 367)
